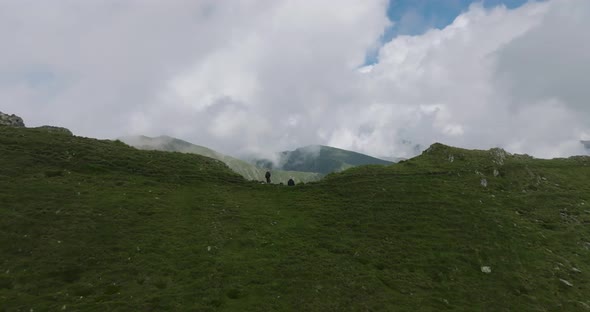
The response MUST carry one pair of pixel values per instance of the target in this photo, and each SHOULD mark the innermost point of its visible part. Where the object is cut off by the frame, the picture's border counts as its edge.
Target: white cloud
(503, 77)
(267, 75)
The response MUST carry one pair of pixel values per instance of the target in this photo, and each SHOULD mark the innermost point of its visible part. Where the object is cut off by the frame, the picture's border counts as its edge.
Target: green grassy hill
(245, 169)
(322, 159)
(89, 225)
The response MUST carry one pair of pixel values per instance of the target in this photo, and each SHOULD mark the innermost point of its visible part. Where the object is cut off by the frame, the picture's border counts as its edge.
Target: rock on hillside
(15, 121)
(11, 120)
(55, 130)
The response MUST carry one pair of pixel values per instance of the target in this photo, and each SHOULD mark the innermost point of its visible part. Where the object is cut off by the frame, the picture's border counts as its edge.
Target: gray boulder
(11, 120)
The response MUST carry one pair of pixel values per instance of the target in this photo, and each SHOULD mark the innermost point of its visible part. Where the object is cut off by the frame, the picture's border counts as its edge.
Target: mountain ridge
(320, 158)
(91, 224)
(247, 170)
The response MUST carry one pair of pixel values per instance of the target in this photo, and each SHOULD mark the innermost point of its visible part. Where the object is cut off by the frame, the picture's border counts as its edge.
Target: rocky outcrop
(15, 121)
(11, 120)
(55, 130)
(499, 155)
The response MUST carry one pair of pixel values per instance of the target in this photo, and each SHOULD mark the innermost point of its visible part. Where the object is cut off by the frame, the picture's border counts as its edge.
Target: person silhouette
(267, 176)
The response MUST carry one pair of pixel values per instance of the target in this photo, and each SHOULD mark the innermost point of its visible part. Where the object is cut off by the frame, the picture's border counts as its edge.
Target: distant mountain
(586, 144)
(322, 159)
(245, 169)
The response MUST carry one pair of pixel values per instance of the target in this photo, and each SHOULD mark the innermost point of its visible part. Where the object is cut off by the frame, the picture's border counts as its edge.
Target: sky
(385, 78)
(413, 17)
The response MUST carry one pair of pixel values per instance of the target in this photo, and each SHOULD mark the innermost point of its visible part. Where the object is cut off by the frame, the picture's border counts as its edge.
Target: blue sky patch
(39, 77)
(414, 17)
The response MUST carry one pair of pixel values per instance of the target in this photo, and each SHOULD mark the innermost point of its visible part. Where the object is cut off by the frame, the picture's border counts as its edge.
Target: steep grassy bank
(96, 225)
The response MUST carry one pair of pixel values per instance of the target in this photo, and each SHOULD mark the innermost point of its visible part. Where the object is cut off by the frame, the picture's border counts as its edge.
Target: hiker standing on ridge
(267, 176)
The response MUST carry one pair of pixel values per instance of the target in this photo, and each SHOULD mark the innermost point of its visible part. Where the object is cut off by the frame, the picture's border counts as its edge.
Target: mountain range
(243, 168)
(319, 158)
(305, 164)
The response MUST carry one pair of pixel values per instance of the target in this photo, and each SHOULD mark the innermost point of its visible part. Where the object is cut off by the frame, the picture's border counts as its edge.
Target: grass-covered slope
(322, 159)
(98, 226)
(245, 169)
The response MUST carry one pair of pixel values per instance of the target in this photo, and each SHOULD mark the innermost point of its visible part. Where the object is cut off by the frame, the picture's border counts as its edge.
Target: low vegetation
(99, 226)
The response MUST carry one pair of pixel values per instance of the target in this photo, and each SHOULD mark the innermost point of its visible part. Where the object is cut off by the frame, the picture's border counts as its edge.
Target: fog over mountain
(261, 76)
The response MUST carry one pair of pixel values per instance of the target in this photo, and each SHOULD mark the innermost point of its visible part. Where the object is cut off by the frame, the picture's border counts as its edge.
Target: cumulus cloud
(260, 76)
(493, 77)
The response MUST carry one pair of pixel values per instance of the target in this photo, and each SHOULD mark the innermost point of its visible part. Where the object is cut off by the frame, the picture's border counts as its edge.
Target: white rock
(486, 269)
(566, 282)
(499, 155)
(484, 182)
